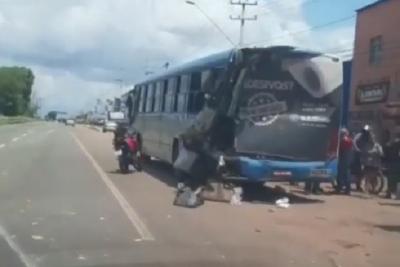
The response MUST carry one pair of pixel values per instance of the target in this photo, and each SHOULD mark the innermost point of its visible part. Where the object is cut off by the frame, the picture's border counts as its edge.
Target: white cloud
(78, 48)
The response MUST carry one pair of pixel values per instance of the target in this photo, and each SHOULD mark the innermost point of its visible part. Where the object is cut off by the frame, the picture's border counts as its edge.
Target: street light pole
(242, 17)
(192, 3)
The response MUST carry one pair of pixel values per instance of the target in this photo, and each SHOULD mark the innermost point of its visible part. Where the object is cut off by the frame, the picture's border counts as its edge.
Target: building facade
(375, 85)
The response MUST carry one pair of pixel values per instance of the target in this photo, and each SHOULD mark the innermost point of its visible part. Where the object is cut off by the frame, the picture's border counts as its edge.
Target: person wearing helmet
(360, 142)
(370, 151)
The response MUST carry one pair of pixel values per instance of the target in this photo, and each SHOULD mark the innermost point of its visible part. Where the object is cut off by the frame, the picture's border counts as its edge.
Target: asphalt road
(62, 203)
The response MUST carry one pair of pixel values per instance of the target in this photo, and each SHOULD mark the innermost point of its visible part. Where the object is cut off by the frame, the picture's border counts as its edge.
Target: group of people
(364, 157)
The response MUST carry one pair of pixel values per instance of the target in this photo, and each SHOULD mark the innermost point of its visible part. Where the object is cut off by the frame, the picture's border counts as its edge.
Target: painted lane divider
(14, 246)
(132, 215)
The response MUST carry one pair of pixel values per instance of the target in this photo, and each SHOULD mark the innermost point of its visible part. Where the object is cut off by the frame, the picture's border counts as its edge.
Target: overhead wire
(292, 7)
(316, 27)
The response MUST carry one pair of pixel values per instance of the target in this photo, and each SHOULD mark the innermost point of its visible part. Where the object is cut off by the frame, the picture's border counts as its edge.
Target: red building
(375, 86)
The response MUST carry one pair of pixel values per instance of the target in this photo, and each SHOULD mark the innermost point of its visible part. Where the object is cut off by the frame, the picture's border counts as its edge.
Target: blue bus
(266, 114)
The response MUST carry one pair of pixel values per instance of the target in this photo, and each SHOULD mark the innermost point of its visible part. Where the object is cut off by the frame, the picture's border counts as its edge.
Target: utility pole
(242, 17)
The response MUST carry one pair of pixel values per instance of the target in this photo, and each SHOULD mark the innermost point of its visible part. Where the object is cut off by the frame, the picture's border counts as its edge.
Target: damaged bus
(263, 114)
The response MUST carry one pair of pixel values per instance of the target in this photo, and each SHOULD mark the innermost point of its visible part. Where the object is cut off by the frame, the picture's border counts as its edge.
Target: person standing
(371, 153)
(392, 162)
(345, 154)
(360, 143)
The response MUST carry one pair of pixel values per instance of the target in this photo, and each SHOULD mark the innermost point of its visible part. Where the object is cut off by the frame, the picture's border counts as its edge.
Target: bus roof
(217, 60)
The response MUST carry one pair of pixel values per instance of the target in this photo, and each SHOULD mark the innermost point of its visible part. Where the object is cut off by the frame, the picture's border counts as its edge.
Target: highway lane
(54, 207)
(59, 207)
(16, 131)
(63, 203)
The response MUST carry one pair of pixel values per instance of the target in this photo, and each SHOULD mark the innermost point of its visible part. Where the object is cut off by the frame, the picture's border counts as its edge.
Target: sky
(80, 50)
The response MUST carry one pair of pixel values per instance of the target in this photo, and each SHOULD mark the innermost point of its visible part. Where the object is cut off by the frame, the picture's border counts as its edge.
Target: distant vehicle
(116, 116)
(70, 122)
(268, 114)
(109, 126)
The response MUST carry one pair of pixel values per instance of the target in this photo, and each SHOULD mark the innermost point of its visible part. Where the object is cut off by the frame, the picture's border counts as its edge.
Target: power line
(307, 30)
(307, 2)
(242, 17)
(192, 3)
(395, 46)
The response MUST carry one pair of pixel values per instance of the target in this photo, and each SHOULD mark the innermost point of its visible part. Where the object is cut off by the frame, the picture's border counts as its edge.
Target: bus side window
(195, 95)
(177, 87)
(183, 93)
(157, 97)
(150, 98)
(164, 99)
(143, 96)
(170, 95)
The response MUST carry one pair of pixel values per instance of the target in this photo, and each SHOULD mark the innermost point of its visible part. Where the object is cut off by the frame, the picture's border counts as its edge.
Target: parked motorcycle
(127, 155)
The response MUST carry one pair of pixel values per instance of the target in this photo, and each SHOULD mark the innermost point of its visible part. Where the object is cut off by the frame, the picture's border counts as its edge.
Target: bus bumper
(254, 170)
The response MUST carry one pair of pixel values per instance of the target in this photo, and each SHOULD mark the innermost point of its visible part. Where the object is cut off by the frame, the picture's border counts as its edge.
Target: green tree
(15, 90)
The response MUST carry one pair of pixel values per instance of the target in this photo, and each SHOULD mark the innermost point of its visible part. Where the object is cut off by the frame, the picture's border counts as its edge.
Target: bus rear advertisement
(265, 114)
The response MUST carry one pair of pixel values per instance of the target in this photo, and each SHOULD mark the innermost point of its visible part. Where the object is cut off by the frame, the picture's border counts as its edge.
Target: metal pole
(242, 21)
(243, 17)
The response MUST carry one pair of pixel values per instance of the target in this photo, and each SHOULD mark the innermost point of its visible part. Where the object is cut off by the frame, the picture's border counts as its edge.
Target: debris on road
(188, 198)
(81, 258)
(282, 203)
(37, 237)
(236, 198)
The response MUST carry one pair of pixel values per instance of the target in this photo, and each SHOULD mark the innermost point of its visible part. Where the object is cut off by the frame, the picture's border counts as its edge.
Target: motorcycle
(128, 157)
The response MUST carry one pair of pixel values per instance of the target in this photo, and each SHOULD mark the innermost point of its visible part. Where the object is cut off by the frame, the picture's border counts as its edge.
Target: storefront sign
(372, 93)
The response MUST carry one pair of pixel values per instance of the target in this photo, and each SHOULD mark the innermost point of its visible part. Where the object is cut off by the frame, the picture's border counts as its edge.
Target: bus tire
(175, 150)
(144, 158)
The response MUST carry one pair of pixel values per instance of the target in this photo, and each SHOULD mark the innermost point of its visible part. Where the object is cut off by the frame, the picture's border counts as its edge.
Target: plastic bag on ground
(282, 203)
(237, 196)
(188, 198)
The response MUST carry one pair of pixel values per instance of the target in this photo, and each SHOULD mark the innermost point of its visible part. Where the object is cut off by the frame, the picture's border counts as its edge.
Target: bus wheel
(175, 150)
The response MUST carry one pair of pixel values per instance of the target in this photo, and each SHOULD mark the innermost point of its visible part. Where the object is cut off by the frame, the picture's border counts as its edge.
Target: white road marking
(49, 132)
(15, 139)
(126, 207)
(10, 241)
(2, 146)
(25, 134)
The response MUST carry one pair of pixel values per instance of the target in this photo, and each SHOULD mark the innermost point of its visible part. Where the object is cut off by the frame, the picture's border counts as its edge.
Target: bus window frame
(177, 87)
(164, 91)
(157, 97)
(143, 99)
(170, 95)
(184, 90)
(195, 91)
(150, 98)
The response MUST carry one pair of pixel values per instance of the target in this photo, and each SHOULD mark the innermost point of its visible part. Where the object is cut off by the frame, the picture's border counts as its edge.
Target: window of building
(375, 50)
(143, 95)
(150, 98)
